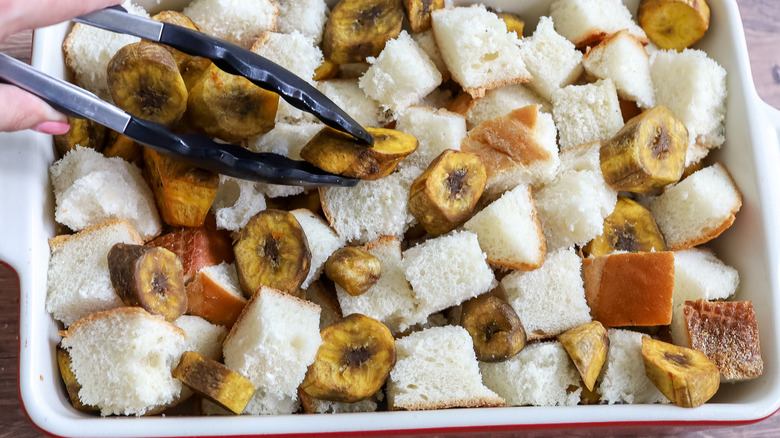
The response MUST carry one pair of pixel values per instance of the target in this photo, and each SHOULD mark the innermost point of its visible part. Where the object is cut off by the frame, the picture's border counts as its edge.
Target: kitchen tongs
(198, 150)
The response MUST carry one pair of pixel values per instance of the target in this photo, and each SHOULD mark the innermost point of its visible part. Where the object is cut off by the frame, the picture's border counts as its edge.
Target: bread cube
(509, 231)
(586, 113)
(502, 101)
(427, 41)
(693, 86)
(90, 188)
(622, 58)
(323, 241)
(305, 16)
(540, 375)
(623, 378)
(237, 200)
(698, 208)
(401, 75)
(236, 21)
(203, 337)
(436, 368)
(479, 52)
(553, 61)
(215, 295)
(435, 131)
(551, 299)
(698, 275)
(347, 94)
(586, 22)
(326, 298)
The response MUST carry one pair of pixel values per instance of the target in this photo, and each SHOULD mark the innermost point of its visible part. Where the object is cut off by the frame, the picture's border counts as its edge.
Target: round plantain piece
(353, 269)
(357, 29)
(630, 227)
(150, 277)
(272, 250)
(144, 80)
(494, 327)
(674, 24)
(419, 13)
(191, 67)
(230, 107)
(685, 376)
(353, 361)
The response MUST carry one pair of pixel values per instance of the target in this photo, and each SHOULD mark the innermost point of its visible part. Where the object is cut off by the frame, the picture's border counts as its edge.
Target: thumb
(21, 110)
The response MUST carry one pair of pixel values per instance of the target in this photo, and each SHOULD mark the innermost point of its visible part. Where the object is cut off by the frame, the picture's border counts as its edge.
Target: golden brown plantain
(72, 386)
(149, 277)
(357, 29)
(513, 22)
(125, 148)
(191, 67)
(214, 381)
(494, 327)
(685, 376)
(82, 132)
(419, 13)
(336, 152)
(445, 194)
(630, 227)
(674, 24)
(353, 362)
(353, 269)
(587, 346)
(272, 250)
(327, 70)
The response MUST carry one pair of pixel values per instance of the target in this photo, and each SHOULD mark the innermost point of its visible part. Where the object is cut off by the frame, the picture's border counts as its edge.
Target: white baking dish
(751, 153)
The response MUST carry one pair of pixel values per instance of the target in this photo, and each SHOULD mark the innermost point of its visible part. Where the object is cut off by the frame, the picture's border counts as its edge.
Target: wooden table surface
(761, 20)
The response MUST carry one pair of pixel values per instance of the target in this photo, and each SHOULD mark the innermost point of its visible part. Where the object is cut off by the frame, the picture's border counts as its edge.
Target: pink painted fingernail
(52, 128)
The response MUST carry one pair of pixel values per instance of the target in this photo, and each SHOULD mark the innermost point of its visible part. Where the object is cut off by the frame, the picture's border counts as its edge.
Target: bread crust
(57, 241)
(121, 312)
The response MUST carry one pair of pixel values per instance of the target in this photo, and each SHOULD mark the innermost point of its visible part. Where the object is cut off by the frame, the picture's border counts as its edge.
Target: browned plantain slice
(336, 152)
(191, 67)
(272, 250)
(149, 277)
(183, 193)
(357, 29)
(327, 70)
(445, 194)
(144, 80)
(82, 132)
(353, 269)
(494, 327)
(353, 362)
(214, 381)
(419, 13)
(587, 346)
(674, 24)
(72, 386)
(630, 227)
(125, 148)
(685, 376)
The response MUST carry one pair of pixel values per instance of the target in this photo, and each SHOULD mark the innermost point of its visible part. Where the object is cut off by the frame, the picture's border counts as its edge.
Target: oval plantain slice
(353, 361)
(272, 250)
(144, 80)
(674, 24)
(357, 29)
(494, 327)
(630, 227)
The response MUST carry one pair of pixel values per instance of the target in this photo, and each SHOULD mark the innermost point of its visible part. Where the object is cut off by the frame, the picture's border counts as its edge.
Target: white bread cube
(90, 188)
(623, 378)
(698, 275)
(272, 344)
(622, 58)
(553, 60)
(316, 406)
(447, 270)
(698, 208)
(586, 113)
(237, 200)
(436, 368)
(427, 41)
(78, 281)
(323, 241)
(328, 301)
(401, 75)
(203, 337)
(237, 21)
(540, 375)
(435, 131)
(305, 16)
(502, 101)
(123, 359)
(693, 86)
(509, 231)
(285, 139)
(479, 52)
(346, 93)
(585, 22)
(391, 299)
(551, 299)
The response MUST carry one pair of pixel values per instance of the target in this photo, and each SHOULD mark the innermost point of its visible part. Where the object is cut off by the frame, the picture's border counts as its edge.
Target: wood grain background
(761, 19)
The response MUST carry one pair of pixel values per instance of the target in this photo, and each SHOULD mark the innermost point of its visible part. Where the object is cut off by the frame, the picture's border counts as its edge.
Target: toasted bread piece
(215, 295)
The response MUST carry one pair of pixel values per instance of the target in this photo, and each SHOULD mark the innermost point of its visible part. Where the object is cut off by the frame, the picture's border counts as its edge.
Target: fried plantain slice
(587, 346)
(494, 327)
(214, 381)
(685, 376)
(82, 132)
(191, 67)
(674, 24)
(630, 227)
(419, 13)
(357, 29)
(353, 269)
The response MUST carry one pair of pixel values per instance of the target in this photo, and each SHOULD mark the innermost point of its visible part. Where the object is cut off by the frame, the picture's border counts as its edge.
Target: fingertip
(52, 127)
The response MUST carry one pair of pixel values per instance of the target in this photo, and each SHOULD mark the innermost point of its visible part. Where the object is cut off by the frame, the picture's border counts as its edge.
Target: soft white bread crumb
(78, 281)
(391, 299)
(540, 375)
(273, 342)
(123, 359)
(502, 101)
(693, 86)
(435, 131)
(437, 368)
(553, 61)
(447, 270)
(401, 75)
(509, 231)
(479, 52)
(203, 337)
(698, 275)
(622, 58)
(264, 402)
(88, 50)
(372, 208)
(551, 299)
(346, 93)
(623, 379)
(285, 139)
(585, 22)
(237, 200)
(237, 21)
(328, 301)
(90, 188)
(226, 276)
(698, 208)
(323, 241)
(305, 16)
(427, 41)
(586, 113)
